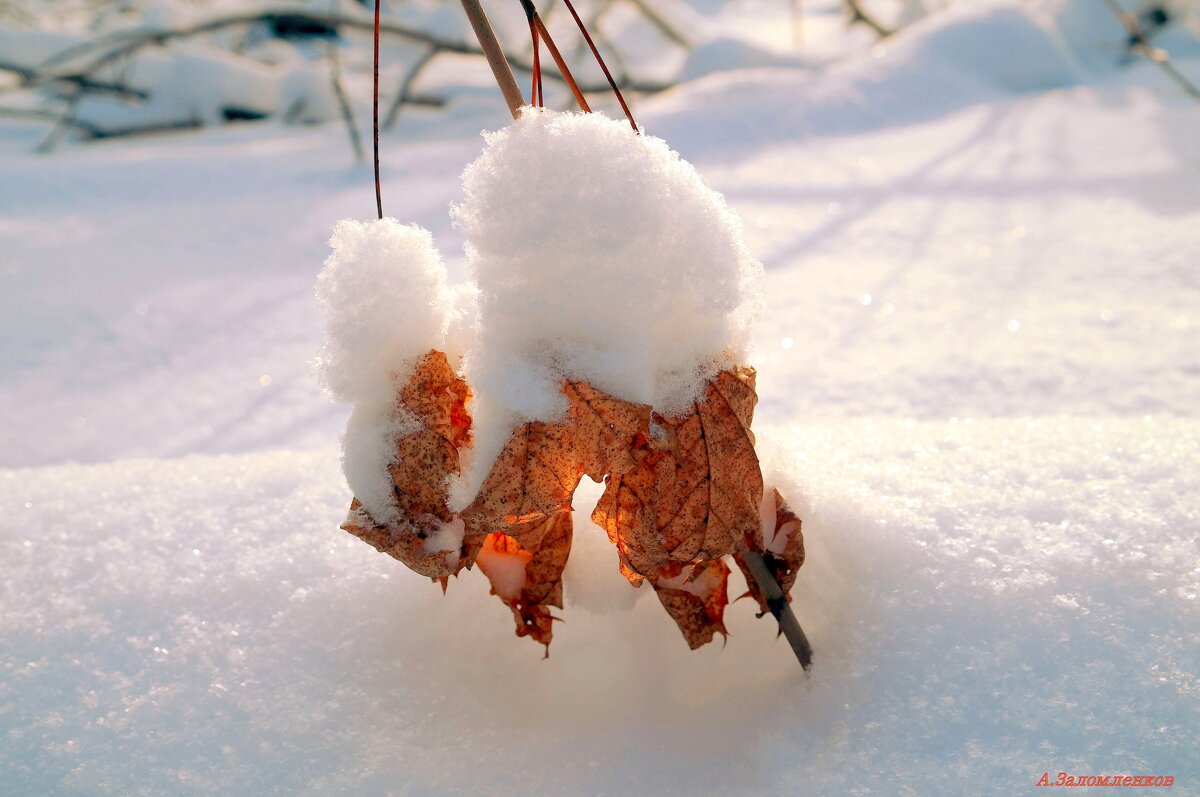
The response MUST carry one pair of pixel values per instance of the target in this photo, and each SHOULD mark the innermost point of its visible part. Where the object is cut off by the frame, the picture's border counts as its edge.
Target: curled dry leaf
(536, 473)
(435, 397)
(526, 572)
(674, 503)
(694, 493)
(783, 550)
(695, 596)
(404, 543)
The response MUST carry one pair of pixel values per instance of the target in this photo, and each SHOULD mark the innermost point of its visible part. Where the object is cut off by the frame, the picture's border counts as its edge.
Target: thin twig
(603, 66)
(561, 63)
(64, 123)
(1139, 44)
(28, 75)
(375, 113)
(403, 95)
(857, 14)
(778, 604)
(618, 60)
(535, 90)
(655, 18)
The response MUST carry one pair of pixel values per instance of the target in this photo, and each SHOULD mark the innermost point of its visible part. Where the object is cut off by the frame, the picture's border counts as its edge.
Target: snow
(505, 569)
(386, 299)
(368, 448)
(601, 255)
(988, 601)
(979, 389)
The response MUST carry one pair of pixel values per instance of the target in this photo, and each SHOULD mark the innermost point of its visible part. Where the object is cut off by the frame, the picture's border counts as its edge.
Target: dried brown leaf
(437, 397)
(695, 493)
(532, 479)
(538, 556)
(405, 543)
(695, 596)
(425, 458)
(607, 429)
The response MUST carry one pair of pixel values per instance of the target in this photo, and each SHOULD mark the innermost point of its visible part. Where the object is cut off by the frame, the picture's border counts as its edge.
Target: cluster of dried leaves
(677, 499)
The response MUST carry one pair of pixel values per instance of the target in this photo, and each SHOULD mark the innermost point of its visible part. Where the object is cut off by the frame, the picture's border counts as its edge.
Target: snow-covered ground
(979, 372)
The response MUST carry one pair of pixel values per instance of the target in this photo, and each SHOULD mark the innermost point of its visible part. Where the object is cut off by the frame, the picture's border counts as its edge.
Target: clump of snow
(368, 448)
(602, 255)
(987, 600)
(387, 301)
(448, 537)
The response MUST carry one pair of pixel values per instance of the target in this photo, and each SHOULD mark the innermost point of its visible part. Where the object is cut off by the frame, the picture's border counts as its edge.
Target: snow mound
(599, 254)
(1014, 49)
(987, 601)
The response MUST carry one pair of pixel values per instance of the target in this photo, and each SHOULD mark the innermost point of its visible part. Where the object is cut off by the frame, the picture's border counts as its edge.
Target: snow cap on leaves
(600, 255)
(386, 300)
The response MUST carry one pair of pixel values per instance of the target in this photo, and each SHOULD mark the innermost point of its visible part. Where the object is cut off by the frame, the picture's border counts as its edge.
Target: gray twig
(335, 77)
(1139, 44)
(404, 94)
(777, 602)
(857, 14)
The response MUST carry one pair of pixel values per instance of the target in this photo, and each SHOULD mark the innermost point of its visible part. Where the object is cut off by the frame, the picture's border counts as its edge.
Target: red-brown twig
(562, 64)
(535, 90)
(375, 113)
(536, 97)
(603, 66)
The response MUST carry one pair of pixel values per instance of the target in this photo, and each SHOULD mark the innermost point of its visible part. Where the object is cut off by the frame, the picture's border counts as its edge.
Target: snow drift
(988, 601)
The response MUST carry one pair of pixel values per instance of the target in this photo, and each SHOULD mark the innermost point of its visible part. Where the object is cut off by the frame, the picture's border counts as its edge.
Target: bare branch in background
(64, 123)
(1139, 44)
(86, 67)
(857, 15)
(339, 91)
(661, 23)
(404, 95)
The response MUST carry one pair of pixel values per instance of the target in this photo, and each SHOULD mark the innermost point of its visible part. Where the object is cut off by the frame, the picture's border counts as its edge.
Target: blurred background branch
(101, 69)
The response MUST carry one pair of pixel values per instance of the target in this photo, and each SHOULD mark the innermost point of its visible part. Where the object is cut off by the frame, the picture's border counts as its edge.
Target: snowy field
(979, 371)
